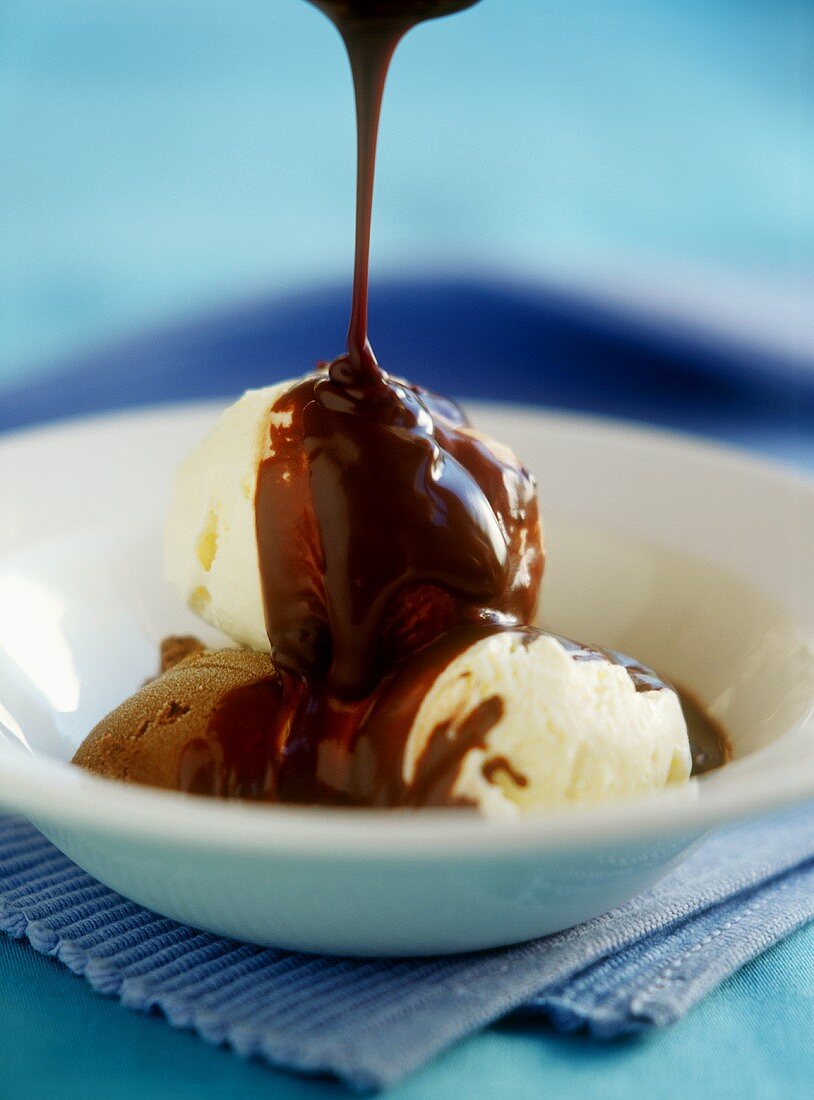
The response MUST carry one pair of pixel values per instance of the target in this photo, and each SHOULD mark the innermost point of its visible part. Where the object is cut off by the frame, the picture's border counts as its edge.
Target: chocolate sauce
(390, 538)
(496, 765)
(371, 770)
(440, 763)
(383, 521)
(380, 529)
(238, 756)
(709, 744)
(281, 739)
(644, 679)
(371, 30)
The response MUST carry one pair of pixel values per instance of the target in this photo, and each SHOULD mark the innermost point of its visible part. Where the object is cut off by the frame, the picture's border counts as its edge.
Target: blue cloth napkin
(369, 1022)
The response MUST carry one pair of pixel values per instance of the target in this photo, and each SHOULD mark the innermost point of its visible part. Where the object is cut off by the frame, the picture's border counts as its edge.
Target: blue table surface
(751, 1038)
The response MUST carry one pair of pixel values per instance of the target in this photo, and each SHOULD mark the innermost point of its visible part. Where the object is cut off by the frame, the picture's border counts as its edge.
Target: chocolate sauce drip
(709, 744)
(371, 770)
(644, 679)
(240, 753)
(371, 30)
(282, 739)
(497, 764)
(382, 525)
(440, 763)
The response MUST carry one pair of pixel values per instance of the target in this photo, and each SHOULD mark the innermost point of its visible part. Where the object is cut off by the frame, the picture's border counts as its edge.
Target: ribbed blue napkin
(369, 1022)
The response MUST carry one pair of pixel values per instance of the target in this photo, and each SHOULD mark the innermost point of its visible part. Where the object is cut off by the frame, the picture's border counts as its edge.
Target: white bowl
(688, 556)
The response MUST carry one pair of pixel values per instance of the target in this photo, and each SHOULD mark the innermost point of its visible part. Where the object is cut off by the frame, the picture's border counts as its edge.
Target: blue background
(161, 158)
(611, 201)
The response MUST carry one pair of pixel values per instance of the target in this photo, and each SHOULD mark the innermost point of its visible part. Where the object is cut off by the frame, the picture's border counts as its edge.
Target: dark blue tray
(471, 339)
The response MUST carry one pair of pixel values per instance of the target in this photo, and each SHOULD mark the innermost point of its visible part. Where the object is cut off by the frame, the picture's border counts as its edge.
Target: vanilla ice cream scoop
(523, 720)
(210, 545)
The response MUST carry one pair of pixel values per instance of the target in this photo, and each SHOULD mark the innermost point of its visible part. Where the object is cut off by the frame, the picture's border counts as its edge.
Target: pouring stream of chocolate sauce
(371, 30)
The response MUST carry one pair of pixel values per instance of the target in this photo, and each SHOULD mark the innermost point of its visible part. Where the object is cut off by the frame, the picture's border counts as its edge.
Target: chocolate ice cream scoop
(165, 728)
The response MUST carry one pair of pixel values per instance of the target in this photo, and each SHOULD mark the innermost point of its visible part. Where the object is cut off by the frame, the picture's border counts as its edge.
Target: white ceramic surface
(688, 556)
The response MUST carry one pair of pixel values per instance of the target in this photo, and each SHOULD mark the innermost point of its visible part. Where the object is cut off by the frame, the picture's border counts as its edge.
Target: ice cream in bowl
(720, 605)
(377, 578)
